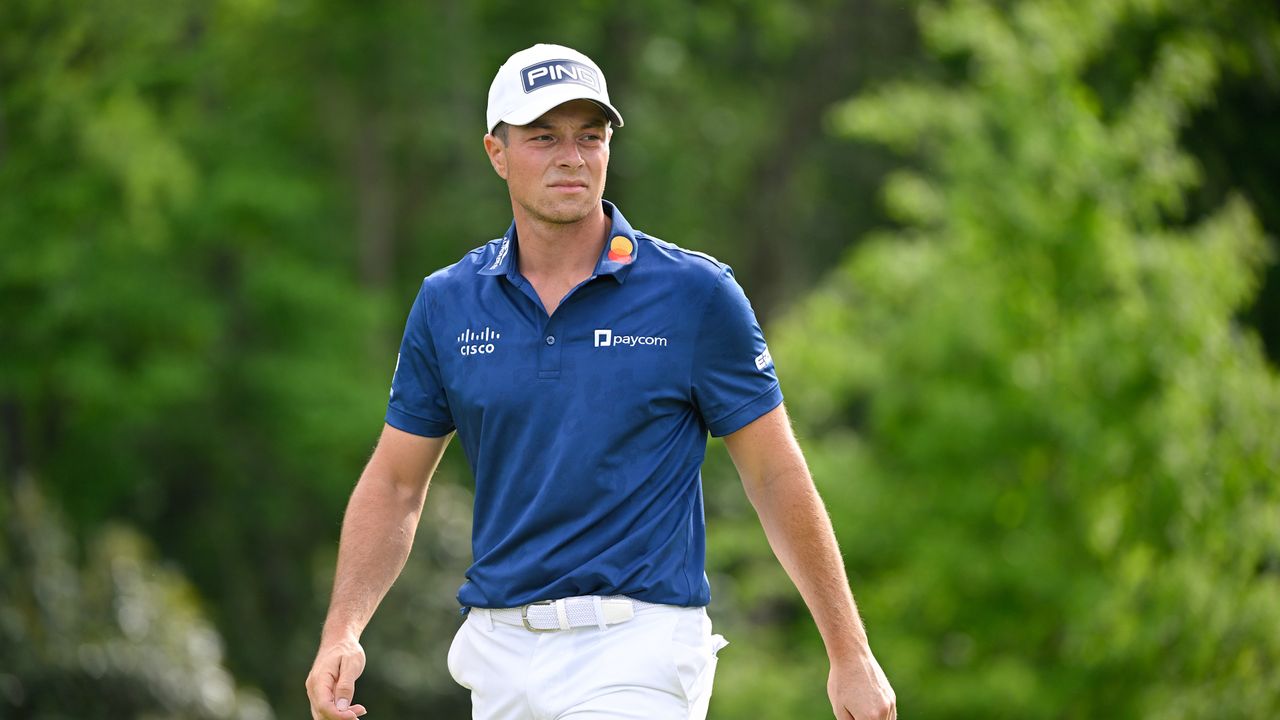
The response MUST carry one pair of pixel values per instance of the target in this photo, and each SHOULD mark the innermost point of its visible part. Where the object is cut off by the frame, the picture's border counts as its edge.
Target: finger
(327, 712)
(351, 713)
(331, 712)
(320, 681)
(345, 688)
(320, 695)
(323, 706)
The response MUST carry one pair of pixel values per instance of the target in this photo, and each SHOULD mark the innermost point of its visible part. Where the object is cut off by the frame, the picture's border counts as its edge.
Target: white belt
(570, 612)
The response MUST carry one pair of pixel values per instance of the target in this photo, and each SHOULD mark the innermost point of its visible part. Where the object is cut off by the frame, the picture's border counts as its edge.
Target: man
(582, 364)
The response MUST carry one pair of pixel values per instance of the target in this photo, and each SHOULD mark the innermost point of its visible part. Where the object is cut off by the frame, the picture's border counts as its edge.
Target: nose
(569, 156)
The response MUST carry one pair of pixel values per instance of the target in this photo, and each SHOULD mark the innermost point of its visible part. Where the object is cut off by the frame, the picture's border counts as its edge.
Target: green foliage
(213, 218)
(121, 636)
(1064, 502)
(182, 333)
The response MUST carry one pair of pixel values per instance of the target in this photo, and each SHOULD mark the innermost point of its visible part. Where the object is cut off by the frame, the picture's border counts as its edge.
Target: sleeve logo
(764, 359)
(393, 377)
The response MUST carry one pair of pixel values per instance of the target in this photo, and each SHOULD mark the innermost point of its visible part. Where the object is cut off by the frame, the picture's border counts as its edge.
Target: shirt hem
(749, 412)
(415, 425)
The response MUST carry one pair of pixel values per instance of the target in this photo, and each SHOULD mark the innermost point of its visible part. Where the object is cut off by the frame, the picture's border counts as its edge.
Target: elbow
(787, 480)
(383, 489)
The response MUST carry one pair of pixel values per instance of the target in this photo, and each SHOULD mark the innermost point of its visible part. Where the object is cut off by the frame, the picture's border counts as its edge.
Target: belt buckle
(524, 616)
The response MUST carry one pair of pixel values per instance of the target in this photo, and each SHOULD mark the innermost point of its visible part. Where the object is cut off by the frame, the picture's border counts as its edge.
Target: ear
(497, 155)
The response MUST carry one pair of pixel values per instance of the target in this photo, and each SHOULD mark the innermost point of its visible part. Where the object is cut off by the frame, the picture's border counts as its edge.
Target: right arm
(377, 534)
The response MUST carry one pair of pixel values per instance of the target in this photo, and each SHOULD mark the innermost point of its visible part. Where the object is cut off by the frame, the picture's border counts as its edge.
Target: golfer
(582, 363)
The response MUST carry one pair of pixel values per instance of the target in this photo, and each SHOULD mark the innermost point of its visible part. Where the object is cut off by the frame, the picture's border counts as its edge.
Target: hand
(859, 690)
(332, 681)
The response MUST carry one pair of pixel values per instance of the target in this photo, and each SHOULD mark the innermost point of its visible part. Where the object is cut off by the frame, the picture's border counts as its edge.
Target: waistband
(568, 613)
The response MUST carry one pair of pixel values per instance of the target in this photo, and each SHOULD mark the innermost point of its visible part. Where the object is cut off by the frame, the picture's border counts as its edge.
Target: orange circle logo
(620, 249)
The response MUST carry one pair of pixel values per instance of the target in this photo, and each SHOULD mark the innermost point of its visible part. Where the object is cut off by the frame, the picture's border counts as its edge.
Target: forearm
(377, 534)
(795, 520)
(800, 533)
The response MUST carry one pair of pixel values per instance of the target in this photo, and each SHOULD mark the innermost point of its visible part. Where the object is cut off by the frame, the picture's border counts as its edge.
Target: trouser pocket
(700, 701)
(694, 650)
(456, 649)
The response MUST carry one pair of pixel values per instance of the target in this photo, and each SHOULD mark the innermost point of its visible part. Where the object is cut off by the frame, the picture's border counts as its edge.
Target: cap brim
(552, 97)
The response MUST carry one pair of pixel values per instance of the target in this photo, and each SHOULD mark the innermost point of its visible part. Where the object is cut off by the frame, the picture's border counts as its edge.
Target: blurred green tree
(1047, 444)
(120, 637)
(213, 218)
(186, 346)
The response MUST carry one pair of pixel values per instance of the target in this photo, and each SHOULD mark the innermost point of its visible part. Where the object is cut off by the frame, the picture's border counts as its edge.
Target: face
(555, 166)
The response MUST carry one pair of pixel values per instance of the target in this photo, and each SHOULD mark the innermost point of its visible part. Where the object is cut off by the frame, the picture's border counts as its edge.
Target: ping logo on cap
(555, 72)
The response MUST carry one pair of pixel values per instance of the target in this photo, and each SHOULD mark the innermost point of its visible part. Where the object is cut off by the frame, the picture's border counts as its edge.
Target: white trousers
(657, 666)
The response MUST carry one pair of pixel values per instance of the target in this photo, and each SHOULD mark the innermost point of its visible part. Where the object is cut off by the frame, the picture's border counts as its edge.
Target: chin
(566, 214)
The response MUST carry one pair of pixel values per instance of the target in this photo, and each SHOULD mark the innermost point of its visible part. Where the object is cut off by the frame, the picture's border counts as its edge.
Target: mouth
(569, 185)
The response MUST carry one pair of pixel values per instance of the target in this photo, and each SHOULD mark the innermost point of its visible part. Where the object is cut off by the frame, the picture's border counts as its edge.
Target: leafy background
(1015, 260)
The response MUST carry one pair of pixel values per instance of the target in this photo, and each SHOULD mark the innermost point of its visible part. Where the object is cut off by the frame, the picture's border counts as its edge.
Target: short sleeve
(418, 403)
(733, 376)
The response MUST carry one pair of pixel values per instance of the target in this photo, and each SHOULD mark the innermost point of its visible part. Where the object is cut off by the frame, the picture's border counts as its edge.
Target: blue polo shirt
(585, 430)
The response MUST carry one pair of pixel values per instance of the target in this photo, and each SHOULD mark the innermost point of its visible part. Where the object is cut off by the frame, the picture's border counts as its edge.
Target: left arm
(779, 486)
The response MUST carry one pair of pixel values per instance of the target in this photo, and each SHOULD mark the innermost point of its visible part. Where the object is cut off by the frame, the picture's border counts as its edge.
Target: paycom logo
(605, 338)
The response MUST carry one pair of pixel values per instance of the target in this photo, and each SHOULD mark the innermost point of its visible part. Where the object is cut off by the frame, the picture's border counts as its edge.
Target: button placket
(549, 353)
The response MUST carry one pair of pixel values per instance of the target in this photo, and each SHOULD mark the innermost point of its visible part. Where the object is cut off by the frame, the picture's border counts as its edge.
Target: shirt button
(551, 339)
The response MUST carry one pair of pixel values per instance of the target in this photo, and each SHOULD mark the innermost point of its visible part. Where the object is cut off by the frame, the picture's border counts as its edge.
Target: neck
(557, 250)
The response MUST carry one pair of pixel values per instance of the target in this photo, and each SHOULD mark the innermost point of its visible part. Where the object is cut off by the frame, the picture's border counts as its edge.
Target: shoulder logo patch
(764, 359)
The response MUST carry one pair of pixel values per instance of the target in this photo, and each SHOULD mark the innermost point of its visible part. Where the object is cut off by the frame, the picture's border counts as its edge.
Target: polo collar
(621, 249)
(619, 253)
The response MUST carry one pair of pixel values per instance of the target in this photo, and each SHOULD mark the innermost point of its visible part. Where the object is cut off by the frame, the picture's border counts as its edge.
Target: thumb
(348, 671)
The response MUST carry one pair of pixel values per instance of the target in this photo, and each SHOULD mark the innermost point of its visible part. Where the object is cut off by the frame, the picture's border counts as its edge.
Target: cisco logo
(605, 338)
(478, 342)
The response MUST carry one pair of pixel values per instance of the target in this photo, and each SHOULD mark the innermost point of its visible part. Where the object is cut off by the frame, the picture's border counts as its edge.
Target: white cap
(536, 79)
